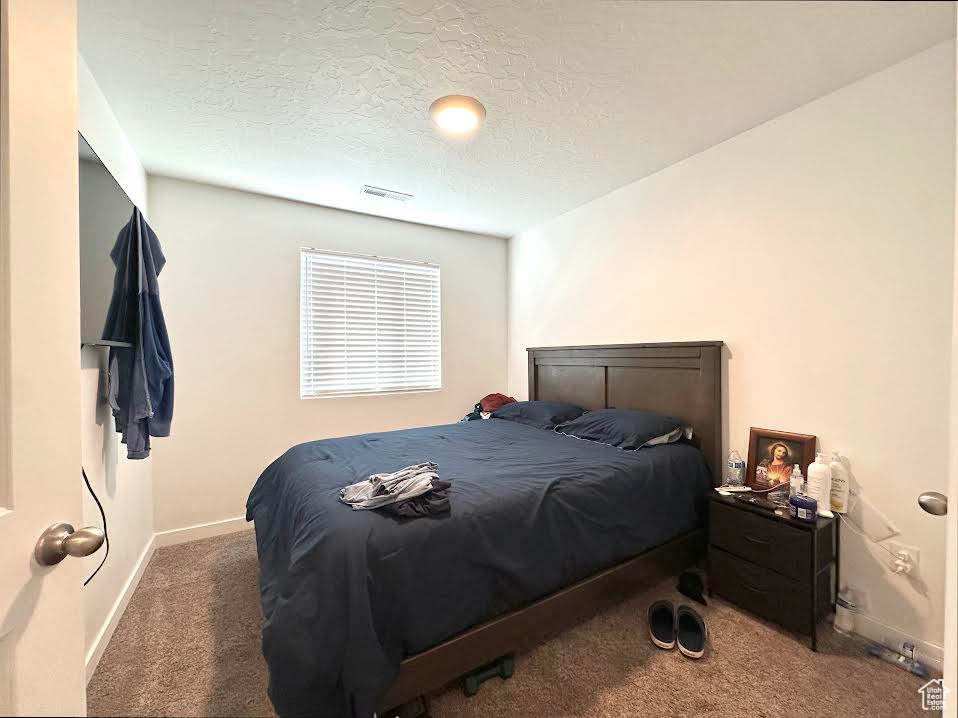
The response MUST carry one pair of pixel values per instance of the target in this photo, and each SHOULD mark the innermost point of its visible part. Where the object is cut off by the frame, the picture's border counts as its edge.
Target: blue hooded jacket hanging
(141, 376)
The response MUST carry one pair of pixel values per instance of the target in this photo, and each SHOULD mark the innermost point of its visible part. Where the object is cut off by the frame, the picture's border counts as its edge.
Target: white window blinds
(367, 325)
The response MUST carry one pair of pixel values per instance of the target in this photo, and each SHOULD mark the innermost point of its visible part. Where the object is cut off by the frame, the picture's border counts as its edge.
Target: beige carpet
(188, 645)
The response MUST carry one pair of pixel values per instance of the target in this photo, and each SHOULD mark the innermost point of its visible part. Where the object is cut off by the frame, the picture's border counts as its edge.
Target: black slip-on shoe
(692, 585)
(691, 631)
(662, 624)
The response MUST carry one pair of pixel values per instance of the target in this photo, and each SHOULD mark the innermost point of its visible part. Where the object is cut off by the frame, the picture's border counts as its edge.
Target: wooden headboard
(682, 379)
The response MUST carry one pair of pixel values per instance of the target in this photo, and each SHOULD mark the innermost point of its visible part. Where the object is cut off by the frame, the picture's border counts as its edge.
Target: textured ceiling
(311, 100)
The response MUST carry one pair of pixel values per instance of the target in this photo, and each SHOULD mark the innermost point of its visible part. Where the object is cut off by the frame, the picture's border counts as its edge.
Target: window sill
(352, 394)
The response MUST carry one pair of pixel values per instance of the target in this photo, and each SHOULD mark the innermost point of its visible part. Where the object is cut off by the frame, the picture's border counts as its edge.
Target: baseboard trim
(200, 531)
(931, 654)
(116, 612)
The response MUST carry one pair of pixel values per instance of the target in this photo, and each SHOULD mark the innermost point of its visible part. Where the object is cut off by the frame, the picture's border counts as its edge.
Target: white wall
(103, 133)
(230, 294)
(104, 209)
(818, 246)
(125, 487)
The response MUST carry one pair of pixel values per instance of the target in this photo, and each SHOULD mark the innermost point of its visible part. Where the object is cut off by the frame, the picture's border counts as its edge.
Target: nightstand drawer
(768, 542)
(761, 591)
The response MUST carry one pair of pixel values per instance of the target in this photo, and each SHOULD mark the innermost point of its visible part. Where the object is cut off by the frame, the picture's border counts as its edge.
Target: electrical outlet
(911, 551)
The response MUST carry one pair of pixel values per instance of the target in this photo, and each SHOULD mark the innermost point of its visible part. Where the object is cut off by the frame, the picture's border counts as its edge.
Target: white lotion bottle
(840, 484)
(820, 484)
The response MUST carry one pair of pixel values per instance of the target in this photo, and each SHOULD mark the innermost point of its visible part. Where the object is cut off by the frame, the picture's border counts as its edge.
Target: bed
(363, 611)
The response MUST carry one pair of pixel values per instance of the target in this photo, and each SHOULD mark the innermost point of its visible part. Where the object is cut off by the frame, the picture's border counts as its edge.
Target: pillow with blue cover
(626, 428)
(540, 414)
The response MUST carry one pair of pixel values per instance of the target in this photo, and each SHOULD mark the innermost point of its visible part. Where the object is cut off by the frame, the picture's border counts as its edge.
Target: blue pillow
(540, 414)
(626, 428)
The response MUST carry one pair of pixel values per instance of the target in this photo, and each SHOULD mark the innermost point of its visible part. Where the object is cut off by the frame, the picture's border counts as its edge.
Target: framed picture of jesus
(773, 454)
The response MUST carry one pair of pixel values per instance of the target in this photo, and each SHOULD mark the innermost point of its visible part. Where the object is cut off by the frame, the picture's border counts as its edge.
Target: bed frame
(681, 379)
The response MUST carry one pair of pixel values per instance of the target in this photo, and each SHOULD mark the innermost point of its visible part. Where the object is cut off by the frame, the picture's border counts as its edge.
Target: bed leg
(416, 708)
(502, 667)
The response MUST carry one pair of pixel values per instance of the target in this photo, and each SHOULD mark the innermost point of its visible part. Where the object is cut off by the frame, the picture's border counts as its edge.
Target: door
(41, 611)
(951, 551)
(951, 530)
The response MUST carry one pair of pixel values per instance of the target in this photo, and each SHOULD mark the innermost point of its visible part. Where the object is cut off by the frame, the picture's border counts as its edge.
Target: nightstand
(781, 569)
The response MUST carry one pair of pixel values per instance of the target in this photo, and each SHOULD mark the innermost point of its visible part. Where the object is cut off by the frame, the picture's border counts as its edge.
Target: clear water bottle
(845, 610)
(736, 470)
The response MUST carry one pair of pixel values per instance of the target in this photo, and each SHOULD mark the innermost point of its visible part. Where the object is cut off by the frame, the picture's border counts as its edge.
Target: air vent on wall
(386, 193)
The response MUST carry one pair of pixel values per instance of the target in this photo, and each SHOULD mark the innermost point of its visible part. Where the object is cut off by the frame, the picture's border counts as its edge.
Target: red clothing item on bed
(491, 402)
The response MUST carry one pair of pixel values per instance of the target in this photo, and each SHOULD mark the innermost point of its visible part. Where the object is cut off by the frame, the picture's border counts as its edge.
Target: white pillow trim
(670, 438)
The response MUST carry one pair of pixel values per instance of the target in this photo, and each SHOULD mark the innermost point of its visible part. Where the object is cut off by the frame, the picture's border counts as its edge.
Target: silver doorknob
(60, 541)
(934, 503)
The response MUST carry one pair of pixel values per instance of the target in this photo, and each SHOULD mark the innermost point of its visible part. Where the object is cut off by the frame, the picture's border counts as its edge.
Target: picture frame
(772, 454)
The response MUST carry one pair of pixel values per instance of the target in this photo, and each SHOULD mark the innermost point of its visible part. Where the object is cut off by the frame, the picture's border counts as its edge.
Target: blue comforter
(347, 594)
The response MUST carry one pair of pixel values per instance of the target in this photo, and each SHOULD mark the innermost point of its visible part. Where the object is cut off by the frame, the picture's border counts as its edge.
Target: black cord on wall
(106, 536)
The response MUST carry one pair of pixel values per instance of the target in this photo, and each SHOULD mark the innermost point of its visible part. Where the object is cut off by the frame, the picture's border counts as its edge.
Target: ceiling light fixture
(457, 114)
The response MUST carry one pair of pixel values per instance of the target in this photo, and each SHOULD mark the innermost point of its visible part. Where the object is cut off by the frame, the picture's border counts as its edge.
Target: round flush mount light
(457, 114)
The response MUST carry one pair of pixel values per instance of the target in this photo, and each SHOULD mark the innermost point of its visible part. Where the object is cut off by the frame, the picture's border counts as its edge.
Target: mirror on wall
(104, 211)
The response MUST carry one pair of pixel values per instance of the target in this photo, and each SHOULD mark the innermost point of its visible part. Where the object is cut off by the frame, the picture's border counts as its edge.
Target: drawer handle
(753, 588)
(753, 539)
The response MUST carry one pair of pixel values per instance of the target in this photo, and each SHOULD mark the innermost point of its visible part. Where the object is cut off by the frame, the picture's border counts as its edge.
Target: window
(368, 325)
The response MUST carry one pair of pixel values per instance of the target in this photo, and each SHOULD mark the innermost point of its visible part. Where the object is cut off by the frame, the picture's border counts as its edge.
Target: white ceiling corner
(311, 100)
